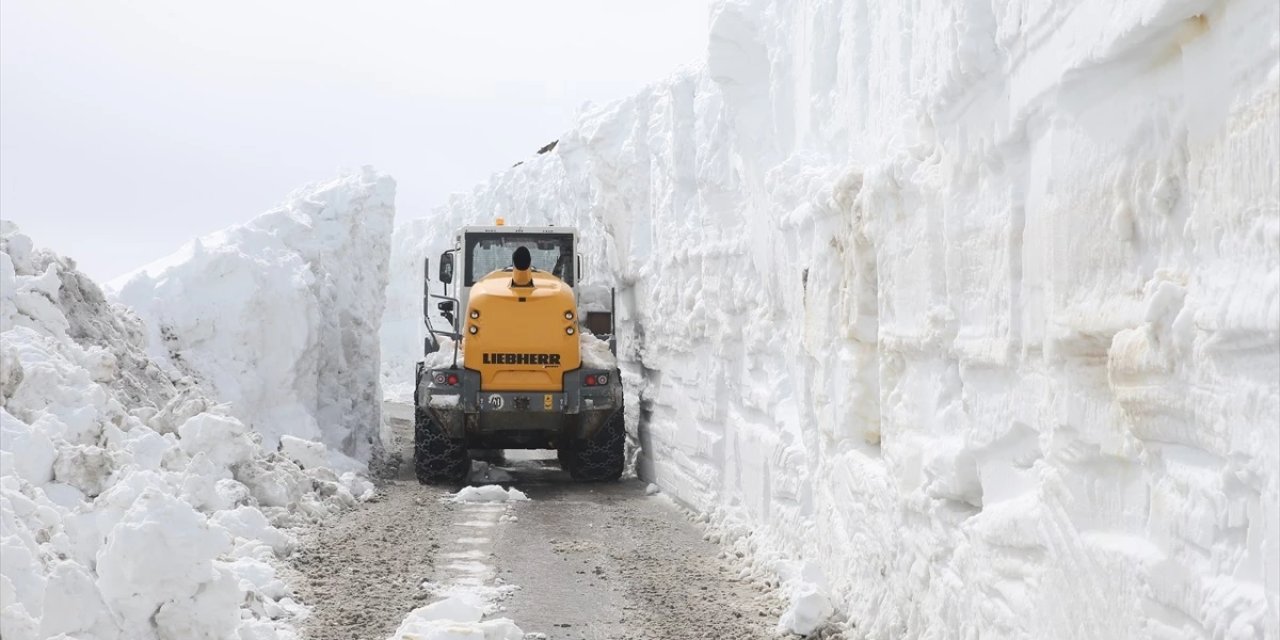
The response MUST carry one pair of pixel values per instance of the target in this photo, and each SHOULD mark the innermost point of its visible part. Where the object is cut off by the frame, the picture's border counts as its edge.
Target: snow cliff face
(131, 506)
(970, 314)
(279, 316)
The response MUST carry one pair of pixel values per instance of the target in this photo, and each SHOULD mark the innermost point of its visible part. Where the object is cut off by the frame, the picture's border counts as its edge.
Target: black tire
(601, 458)
(437, 458)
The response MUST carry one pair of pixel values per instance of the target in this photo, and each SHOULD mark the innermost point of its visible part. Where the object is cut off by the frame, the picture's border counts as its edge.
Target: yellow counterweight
(521, 331)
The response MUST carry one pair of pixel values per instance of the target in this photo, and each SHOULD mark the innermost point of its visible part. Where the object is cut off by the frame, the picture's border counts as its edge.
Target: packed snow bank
(279, 316)
(975, 305)
(131, 506)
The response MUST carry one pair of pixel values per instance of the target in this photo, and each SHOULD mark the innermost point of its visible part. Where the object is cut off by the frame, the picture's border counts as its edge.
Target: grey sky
(127, 129)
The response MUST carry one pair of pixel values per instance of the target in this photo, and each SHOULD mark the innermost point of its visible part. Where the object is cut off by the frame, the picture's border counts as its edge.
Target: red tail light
(591, 381)
(453, 379)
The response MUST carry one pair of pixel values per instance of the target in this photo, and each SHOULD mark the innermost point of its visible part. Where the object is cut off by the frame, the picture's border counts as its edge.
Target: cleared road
(577, 561)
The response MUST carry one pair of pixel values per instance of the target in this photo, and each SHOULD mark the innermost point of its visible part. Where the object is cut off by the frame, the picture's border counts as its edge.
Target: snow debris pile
(455, 618)
(131, 505)
(279, 316)
(489, 493)
(976, 305)
(595, 352)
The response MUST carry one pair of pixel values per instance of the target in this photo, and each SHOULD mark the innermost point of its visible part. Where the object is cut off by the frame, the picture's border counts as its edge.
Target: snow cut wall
(972, 309)
(280, 316)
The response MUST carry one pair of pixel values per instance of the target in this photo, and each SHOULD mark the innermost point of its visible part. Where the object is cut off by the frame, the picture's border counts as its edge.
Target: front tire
(437, 458)
(602, 457)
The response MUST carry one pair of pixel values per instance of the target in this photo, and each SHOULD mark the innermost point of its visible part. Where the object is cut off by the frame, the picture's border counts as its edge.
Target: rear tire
(602, 457)
(437, 458)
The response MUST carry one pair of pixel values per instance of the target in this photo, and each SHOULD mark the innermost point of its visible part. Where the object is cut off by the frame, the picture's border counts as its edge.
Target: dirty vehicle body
(517, 379)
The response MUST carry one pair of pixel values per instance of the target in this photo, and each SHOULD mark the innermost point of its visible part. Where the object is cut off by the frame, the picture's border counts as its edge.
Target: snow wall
(970, 311)
(132, 507)
(279, 317)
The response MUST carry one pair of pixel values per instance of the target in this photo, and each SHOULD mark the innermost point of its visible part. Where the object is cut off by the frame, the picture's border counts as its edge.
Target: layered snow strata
(973, 307)
(130, 505)
(279, 316)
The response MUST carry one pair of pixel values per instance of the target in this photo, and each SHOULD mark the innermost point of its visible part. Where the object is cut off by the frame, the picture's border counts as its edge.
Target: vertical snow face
(969, 312)
(280, 316)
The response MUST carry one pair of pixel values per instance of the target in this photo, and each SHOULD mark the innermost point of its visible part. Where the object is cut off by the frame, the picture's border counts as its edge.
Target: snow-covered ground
(965, 318)
(142, 494)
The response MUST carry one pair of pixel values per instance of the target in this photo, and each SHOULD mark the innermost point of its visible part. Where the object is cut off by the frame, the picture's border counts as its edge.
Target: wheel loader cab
(486, 250)
(517, 378)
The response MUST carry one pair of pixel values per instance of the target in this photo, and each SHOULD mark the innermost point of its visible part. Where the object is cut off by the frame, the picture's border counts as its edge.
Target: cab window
(489, 252)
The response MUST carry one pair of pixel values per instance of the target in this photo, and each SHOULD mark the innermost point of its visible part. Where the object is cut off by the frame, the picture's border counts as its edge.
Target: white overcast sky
(126, 129)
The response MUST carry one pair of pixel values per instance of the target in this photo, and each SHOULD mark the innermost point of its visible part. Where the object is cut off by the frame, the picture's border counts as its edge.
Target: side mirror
(446, 267)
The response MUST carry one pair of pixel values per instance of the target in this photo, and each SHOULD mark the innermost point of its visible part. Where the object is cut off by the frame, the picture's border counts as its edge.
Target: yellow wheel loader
(517, 379)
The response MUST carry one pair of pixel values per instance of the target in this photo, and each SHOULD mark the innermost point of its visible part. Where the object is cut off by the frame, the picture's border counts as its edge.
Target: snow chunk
(223, 439)
(455, 618)
(441, 401)
(489, 493)
(309, 454)
(249, 523)
(596, 353)
(159, 553)
(808, 609)
(25, 451)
